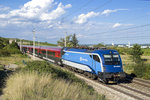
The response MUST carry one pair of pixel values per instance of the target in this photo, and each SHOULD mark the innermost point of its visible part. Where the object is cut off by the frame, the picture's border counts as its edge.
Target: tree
(61, 42)
(136, 53)
(71, 41)
(99, 45)
(74, 40)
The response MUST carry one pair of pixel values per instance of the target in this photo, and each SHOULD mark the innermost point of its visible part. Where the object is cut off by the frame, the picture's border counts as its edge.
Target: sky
(93, 21)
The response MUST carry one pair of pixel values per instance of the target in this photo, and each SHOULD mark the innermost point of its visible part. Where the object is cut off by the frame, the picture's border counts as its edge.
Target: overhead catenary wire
(125, 37)
(80, 8)
(107, 2)
(122, 29)
(127, 32)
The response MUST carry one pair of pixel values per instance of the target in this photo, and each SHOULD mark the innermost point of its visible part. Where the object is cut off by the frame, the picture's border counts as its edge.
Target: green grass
(146, 52)
(14, 59)
(128, 63)
(142, 70)
(1, 67)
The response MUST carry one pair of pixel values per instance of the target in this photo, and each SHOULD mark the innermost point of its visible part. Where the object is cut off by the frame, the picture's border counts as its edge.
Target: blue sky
(93, 21)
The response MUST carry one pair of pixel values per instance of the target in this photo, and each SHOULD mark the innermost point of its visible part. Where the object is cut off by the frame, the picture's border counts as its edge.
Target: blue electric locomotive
(102, 63)
(106, 64)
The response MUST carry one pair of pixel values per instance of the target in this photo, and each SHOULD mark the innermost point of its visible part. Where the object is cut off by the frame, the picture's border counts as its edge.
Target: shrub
(1, 45)
(139, 69)
(4, 53)
(14, 51)
(56, 72)
(136, 53)
(147, 72)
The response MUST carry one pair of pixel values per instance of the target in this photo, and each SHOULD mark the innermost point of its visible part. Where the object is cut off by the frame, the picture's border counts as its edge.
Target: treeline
(7, 49)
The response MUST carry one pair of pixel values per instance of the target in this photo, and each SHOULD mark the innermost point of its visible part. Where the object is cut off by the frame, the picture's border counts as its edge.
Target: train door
(96, 63)
(93, 65)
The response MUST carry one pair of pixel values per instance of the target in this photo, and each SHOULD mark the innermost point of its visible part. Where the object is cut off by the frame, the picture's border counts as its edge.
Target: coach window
(31, 50)
(51, 53)
(36, 50)
(96, 58)
(43, 51)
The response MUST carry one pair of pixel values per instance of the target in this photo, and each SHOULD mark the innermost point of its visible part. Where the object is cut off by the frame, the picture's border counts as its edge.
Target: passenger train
(105, 64)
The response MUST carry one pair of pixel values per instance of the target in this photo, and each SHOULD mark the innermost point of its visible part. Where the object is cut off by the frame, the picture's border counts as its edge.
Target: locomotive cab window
(96, 58)
(112, 59)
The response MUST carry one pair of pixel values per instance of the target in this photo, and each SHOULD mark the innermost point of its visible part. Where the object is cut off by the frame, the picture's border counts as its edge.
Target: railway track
(116, 91)
(135, 94)
(142, 82)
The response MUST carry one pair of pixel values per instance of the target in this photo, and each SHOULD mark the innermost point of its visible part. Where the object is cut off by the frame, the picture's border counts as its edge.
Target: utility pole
(38, 44)
(65, 39)
(20, 46)
(33, 44)
(129, 44)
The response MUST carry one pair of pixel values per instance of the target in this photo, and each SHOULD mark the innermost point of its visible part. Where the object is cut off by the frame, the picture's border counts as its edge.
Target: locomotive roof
(101, 51)
(44, 47)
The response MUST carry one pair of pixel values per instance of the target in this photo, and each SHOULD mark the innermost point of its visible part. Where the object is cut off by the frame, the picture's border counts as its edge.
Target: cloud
(119, 24)
(84, 17)
(32, 9)
(55, 13)
(3, 8)
(116, 25)
(3, 15)
(36, 11)
(108, 11)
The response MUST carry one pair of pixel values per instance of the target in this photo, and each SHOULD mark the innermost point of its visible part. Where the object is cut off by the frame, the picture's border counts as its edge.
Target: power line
(107, 2)
(80, 8)
(135, 18)
(128, 33)
(125, 37)
(85, 5)
(123, 29)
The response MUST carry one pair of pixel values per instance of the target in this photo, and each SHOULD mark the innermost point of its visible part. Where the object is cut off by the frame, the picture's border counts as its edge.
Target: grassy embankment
(40, 80)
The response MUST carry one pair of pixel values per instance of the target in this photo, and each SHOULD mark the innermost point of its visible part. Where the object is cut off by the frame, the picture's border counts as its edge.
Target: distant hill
(29, 42)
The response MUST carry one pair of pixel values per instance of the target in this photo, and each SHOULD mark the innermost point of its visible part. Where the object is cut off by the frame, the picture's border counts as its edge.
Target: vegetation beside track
(42, 80)
(7, 49)
(18, 59)
(135, 60)
(35, 86)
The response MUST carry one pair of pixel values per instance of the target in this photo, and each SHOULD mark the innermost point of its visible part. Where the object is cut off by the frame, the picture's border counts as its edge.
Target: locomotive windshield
(112, 59)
